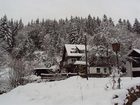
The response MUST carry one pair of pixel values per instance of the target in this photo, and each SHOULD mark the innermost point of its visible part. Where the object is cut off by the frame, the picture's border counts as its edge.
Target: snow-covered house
(100, 66)
(133, 63)
(100, 63)
(72, 58)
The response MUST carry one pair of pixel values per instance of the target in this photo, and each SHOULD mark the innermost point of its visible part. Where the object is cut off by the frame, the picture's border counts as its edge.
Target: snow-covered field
(72, 91)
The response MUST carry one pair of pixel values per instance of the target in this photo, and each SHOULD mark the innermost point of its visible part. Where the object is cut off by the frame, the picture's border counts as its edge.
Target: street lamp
(116, 49)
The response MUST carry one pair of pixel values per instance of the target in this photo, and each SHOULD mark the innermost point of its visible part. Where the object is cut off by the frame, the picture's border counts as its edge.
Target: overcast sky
(56, 9)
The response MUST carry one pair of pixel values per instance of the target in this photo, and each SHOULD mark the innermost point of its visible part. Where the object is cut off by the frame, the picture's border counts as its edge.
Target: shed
(133, 63)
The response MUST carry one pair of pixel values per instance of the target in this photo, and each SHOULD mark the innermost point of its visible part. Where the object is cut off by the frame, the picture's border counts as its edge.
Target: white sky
(32, 9)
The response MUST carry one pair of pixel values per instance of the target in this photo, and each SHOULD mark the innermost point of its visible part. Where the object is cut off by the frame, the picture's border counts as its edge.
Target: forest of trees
(18, 41)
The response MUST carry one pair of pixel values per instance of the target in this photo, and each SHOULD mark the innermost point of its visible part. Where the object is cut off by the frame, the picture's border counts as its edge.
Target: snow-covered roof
(80, 63)
(137, 50)
(43, 68)
(54, 68)
(71, 49)
(39, 52)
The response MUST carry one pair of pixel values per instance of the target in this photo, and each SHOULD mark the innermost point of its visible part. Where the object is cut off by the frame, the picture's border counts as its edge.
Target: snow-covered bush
(115, 79)
(17, 73)
(33, 78)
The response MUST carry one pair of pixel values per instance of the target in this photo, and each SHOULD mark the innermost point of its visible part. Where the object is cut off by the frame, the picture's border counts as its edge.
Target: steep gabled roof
(75, 50)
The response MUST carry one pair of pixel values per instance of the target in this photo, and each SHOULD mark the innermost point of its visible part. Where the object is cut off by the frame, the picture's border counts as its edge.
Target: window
(110, 71)
(98, 70)
(105, 70)
(73, 59)
(73, 50)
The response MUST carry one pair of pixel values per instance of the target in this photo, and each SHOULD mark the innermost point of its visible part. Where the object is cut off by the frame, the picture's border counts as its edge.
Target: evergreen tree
(8, 33)
(98, 22)
(91, 25)
(129, 26)
(73, 34)
(136, 26)
(21, 25)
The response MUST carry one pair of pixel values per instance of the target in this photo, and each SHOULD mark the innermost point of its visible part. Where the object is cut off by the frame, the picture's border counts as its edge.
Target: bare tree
(17, 73)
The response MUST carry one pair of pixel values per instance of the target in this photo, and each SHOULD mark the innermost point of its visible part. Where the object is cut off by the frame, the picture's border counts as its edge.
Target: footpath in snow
(72, 91)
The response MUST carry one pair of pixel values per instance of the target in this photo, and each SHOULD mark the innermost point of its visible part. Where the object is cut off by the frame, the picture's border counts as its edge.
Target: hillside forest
(41, 41)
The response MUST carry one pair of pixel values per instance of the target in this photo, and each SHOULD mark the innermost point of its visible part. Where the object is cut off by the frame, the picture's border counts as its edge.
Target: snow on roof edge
(80, 63)
(137, 50)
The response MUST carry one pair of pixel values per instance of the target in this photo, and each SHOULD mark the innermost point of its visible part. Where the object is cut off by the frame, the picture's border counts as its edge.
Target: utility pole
(119, 79)
(86, 57)
(116, 49)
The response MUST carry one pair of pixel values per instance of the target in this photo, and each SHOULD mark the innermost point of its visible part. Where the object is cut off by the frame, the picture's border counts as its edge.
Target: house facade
(100, 70)
(133, 63)
(100, 62)
(72, 60)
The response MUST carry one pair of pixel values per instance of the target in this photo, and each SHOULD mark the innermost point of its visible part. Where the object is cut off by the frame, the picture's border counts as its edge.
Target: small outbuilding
(133, 63)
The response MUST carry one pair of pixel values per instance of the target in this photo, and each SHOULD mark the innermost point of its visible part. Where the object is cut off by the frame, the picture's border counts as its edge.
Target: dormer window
(73, 50)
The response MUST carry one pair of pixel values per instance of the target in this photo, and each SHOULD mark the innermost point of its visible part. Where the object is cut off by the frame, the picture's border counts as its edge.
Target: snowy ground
(73, 91)
(137, 102)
